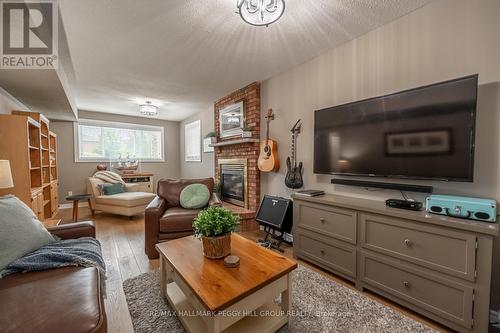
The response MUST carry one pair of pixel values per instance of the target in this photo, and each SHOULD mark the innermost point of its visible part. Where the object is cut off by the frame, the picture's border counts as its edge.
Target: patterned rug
(320, 305)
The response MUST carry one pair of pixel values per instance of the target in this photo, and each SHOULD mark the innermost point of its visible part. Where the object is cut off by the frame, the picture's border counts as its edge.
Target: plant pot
(216, 247)
(246, 134)
(213, 140)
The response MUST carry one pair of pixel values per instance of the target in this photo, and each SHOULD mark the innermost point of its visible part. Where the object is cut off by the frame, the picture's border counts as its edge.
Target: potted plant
(214, 226)
(247, 132)
(213, 137)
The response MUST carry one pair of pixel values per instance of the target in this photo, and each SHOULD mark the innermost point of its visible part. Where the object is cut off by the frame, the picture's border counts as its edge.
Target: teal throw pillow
(110, 189)
(194, 196)
(20, 231)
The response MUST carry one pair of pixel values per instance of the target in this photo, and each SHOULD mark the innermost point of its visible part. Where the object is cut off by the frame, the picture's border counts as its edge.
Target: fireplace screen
(233, 183)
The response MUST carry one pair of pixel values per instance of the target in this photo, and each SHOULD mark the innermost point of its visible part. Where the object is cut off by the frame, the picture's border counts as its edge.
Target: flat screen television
(422, 133)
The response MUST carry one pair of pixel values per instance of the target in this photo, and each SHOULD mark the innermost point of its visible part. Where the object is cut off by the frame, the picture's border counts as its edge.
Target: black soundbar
(389, 186)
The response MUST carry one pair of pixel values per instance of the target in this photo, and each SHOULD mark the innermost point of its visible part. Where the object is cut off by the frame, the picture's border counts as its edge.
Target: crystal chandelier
(148, 109)
(261, 12)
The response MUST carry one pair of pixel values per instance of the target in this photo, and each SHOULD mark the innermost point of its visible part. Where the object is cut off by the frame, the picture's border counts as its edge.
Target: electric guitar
(268, 158)
(293, 178)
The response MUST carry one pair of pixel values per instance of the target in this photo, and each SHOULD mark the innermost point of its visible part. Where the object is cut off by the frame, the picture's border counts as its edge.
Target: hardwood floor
(122, 241)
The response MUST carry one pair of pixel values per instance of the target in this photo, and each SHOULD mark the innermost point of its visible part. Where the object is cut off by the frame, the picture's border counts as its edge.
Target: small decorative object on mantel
(247, 132)
(232, 261)
(208, 141)
(212, 136)
(214, 226)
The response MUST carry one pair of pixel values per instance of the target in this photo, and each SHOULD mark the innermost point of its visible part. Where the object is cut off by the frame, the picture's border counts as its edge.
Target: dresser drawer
(421, 244)
(338, 256)
(431, 292)
(330, 221)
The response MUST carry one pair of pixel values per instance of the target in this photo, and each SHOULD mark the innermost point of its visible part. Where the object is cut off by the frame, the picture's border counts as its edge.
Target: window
(100, 141)
(192, 141)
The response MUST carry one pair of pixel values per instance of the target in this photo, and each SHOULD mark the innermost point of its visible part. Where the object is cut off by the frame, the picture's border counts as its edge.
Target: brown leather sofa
(68, 299)
(165, 218)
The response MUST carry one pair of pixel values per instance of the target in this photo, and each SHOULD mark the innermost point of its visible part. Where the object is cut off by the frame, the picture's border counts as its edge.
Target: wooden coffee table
(209, 297)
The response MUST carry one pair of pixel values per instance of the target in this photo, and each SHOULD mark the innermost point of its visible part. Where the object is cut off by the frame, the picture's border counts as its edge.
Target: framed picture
(192, 141)
(432, 142)
(231, 120)
(206, 145)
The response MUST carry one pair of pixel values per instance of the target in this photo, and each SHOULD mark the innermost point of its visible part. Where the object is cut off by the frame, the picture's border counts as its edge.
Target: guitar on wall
(268, 158)
(293, 178)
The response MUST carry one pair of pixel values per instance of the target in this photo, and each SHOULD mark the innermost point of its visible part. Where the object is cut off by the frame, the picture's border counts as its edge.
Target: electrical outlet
(70, 193)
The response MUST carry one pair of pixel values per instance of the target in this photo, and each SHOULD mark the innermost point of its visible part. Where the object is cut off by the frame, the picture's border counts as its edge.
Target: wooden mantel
(234, 142)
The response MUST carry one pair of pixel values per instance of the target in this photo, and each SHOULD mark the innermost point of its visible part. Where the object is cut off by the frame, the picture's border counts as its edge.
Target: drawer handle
(406, 284)
(322, 220)
(408, 242)
(322, 252)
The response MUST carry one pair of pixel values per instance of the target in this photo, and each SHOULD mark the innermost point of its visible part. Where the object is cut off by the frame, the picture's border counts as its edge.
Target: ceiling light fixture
(148, 109)
(261, 12)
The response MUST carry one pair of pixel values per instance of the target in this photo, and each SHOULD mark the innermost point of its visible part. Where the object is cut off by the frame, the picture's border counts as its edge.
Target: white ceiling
(185, 54)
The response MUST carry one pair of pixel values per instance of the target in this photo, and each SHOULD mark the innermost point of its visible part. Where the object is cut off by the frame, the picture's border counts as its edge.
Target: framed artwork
(432, 142)
(192, 141)
(231, 119)
(206, 145)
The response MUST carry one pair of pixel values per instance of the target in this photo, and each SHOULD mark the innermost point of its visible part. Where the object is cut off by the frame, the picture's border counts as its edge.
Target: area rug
(319, 305)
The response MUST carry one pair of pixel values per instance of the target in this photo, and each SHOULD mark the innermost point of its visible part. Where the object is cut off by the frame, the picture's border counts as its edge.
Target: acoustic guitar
(268, 158)
(293, 178)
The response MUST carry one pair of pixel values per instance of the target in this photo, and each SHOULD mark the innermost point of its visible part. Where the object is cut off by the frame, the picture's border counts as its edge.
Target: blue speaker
(462, 207)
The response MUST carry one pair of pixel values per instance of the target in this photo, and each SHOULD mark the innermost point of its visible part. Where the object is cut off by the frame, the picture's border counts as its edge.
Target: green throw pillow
(110, 189)
(20, 231)
(194, 196)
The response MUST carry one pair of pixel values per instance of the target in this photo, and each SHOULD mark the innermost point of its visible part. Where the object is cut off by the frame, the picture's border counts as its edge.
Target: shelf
(45, 184)
(46, 149)
(44, 135)
(46, 166)
(45, 202)
(35, 168)
(33, 147)
(235, 142)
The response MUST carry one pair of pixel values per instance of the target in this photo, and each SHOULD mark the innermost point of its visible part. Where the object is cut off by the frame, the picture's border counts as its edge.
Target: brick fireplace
(245, 151)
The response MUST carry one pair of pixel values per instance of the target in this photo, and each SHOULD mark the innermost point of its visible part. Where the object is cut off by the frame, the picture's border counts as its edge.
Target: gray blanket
(84, 252)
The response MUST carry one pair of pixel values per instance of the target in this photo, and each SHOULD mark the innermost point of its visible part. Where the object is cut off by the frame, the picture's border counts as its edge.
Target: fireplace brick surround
(250, 95)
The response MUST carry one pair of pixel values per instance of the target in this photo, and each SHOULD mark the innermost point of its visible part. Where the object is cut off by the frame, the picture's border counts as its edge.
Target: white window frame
(197, 158)
(112, 124)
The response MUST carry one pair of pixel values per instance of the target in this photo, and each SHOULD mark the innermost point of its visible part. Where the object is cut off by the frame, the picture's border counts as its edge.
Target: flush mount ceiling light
(261, 12)
(148, 109)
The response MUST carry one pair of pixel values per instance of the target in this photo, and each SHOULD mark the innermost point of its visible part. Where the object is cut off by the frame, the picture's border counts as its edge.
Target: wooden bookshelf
(33, 160)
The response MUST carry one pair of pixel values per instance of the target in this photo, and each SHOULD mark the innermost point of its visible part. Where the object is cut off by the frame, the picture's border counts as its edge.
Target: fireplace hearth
(233, 181)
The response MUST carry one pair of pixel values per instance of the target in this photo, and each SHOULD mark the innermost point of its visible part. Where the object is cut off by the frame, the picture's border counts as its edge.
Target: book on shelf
(310, 193)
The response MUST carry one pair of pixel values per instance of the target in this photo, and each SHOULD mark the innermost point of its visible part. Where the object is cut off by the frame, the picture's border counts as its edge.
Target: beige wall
(442, 40)
(205, 168)
(72, 174)
(9, 103)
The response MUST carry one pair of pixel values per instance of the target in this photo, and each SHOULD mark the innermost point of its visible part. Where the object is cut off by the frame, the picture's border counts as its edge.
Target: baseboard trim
(70, 205)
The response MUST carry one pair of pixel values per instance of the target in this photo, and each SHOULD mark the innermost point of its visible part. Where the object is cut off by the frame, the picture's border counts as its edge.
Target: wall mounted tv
(422, 133)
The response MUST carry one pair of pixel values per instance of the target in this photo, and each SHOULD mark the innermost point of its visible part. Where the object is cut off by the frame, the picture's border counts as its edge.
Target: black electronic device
(384, 185)
(276, 215)
(422, 133)
(404, 204)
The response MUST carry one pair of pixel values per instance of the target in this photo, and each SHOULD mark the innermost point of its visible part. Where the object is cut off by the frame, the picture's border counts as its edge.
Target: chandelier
(148, 109)
(261, 12)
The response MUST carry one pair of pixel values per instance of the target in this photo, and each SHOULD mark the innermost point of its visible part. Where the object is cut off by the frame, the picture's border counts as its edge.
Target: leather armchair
(165, 219)
(55, 300)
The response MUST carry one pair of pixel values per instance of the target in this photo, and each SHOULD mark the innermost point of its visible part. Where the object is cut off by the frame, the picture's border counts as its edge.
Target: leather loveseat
(165, 219)
(68, 299)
